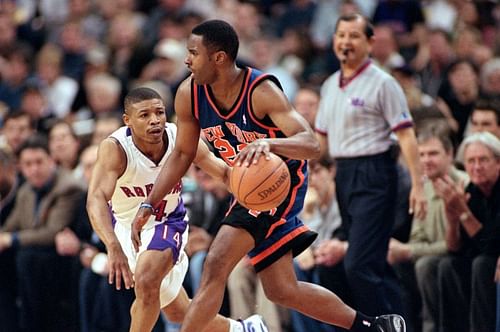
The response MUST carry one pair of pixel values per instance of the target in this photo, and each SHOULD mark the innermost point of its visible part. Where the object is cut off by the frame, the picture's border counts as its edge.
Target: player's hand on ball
(141, 218)
(252, 153)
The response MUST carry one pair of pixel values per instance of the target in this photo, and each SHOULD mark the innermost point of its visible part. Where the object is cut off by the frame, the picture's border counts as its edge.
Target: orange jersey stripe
(296, 232)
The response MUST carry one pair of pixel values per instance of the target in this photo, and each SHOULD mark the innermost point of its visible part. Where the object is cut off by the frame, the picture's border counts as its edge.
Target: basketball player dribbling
(128, 163)
(244, 114)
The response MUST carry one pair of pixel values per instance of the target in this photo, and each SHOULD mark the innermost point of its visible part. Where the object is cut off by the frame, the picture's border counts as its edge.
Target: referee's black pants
(366, 193)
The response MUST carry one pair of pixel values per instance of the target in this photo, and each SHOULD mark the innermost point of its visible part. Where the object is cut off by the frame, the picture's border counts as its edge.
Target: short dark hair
(36, 141)
(438, 132)
(217, 36)
(17, 115)
(140, 94)
(353, 17)
(488, 104)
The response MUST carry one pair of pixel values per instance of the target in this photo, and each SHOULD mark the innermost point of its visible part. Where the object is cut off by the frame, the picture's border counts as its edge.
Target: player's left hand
(252, 153)
(141, 218)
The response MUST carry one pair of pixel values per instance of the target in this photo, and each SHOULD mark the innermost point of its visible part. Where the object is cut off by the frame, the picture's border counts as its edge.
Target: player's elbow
(315, 149)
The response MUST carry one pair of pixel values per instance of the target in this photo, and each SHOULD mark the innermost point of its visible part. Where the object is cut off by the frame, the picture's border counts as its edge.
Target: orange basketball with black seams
(262, 186)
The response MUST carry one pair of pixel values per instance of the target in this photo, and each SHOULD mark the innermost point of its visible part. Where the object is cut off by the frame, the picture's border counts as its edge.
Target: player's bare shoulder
(268, 98)
(111, 155)
(183, 96)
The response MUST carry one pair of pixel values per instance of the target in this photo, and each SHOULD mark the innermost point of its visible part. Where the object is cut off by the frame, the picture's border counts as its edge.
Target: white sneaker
(254, 324)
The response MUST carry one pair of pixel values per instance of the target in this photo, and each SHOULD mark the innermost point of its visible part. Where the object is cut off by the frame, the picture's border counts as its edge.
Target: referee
(360, 107)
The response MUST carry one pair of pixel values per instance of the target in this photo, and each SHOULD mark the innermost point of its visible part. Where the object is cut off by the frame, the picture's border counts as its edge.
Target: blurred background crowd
(65, 66)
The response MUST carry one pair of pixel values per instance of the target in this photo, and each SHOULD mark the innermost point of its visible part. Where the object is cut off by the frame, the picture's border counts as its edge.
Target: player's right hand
(251, 153)
(141, 218)
(118, 268)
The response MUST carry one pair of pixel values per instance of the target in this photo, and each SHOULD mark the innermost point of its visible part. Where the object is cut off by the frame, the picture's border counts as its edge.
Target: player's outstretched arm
(110, 164)
(209, 163)
(300, 143)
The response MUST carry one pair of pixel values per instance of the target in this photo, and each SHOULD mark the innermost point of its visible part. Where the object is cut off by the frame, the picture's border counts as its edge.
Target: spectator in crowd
(34, 103)
(367, 202)
(105, 125)
(490, 77)
(431, 70)
(102, 93)
(466, 275)
(128, 53)
(406, 19)
(266, 56)
(416, 261)
(9, 184)
(457, 95)
(64, 145)
(8, 33)
(59, 90)
(15, 70)
(321, 214)
(167, 66)
(45, 204)
(385, 48)
(306, 102)
(16, 129)
(73, 44)
(486, 117)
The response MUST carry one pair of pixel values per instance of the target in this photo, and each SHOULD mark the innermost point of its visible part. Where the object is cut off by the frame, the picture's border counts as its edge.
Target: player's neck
(227, 80)
(154, 152)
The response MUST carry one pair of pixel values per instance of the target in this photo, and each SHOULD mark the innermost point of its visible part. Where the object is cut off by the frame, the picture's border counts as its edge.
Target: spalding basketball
(262, 186)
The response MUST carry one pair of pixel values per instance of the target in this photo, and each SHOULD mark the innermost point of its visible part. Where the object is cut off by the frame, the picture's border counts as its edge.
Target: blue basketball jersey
(229, 131)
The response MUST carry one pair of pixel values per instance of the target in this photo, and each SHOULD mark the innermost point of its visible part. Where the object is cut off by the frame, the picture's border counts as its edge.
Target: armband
(145, 205)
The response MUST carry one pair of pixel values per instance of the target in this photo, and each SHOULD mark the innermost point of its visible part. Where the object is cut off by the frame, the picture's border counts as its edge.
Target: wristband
(145, 205)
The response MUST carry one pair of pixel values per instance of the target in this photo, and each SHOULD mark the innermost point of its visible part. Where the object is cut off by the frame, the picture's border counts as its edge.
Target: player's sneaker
(254, 324)
(390, 323)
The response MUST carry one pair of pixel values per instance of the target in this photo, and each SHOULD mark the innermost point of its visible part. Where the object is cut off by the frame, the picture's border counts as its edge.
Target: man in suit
(44, 205)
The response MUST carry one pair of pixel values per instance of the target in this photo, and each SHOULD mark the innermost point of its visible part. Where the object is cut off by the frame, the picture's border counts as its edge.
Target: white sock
(235, 326)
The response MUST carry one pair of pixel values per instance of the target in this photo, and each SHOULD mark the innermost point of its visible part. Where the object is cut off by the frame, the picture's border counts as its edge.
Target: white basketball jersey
(137, 181)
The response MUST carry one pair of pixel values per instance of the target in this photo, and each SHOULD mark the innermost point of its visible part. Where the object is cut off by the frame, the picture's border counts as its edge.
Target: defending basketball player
(128, 163)
(244, 114)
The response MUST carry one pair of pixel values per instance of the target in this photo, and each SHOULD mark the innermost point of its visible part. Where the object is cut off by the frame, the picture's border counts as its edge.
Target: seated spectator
(486, 117)
(14, 73)
(64, 145)
(466, 275)
(416, 261)
(458, 94)
(8, 281)
(385, 48)
(59, 90)
(16, 129)
(34, 103)
(490, 77)
(321, 214)
(105, 124)
(44, 205)
(306, 102)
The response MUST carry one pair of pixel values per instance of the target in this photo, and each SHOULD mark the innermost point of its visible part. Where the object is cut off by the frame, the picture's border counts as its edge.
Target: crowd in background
(65, 66)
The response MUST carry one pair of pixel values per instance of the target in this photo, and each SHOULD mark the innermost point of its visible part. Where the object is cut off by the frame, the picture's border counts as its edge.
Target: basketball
(262, 186)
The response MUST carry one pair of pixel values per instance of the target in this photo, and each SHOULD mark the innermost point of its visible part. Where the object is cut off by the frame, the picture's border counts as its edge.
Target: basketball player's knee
(215, 268)
(281, 295)
(175, 316)
(147, 286)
